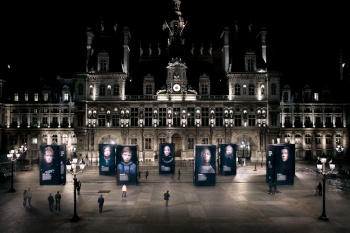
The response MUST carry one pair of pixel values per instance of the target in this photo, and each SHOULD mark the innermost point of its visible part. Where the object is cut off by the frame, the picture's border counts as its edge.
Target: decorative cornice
(102, 75)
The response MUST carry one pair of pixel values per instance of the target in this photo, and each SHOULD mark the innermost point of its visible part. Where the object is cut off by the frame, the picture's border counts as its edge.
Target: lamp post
(13, 155)
(72, 168)
(321, 166)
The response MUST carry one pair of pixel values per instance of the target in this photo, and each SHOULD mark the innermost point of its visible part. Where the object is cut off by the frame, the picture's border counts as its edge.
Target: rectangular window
(36, 96)
(102, 120)
(80, 120)
(134, 116)
(133, 141)
(26, 97)
(328, 122)
(273, 119)
(205, 116)
(176, 117)
(190, 116)
(34, 141)
(251, 120)
(65, 97)
(318, 122)
(54, 122)
(162, 117)
(16, 97)
(115, 119)
(297, 121)
(148, 117)
(45, 122)
(148, 143)
(64, 122)
(238, 120)
(219, 117)
(115, 89)
(46, 96)
(162, 140)
(205, 140)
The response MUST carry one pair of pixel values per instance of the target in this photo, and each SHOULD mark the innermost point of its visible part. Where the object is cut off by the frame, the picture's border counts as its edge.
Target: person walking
(78, 187)
(25, 197)
(166, 197)
(139, 174)
(58, 200)
(124, 191)
(29, 195)
(270, 188)
(179, 174)
(51, 201)
(146, 174)
(100, 201)
(319, 186)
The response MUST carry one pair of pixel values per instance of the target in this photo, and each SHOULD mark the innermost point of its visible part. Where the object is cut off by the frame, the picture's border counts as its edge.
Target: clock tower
(176, 76)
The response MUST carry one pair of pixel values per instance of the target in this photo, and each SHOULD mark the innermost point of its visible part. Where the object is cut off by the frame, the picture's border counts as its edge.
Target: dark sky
(48, 39)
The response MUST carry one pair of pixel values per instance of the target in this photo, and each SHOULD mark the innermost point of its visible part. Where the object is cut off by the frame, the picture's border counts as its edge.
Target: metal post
(12, 190)
(324, 216)
(75, 217)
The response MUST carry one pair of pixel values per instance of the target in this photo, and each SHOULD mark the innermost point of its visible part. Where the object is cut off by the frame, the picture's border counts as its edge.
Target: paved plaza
(239, 203)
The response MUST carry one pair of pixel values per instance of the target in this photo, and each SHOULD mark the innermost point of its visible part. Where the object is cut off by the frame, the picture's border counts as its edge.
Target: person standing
(166, 197)
(58, 200)
(146, 174)
(25, 197)
(139, 174)
(319, 186)
(29, 195)
(124, 191)
(51, 201)
(78, 187)
(179, 174)
(100, 201)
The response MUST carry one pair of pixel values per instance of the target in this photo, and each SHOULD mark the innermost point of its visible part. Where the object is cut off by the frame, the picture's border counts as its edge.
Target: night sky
(47, 40)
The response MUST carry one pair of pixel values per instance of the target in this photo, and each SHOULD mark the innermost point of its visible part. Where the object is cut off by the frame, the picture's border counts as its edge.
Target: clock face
(176, 87)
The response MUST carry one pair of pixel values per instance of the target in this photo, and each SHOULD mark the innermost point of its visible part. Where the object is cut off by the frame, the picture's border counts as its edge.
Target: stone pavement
(238, 203)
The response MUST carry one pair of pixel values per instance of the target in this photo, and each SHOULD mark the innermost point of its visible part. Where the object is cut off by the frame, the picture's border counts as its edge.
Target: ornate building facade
(187, 93)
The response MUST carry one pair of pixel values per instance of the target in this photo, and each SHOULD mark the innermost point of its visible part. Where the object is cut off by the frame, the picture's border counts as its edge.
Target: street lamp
(321, 166)
(13, 155)
(72, 168)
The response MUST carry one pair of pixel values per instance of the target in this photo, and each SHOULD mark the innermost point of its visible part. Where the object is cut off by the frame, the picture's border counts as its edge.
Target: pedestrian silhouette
(78, 187)
(179, 173)
(51, 201)
(25, 197)
(139, 174)
(146, 174)
(270, 188)
(58, 200)
(124, 191)
(166, 197)
(29, 195)
(319, 186)
(100, 201)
